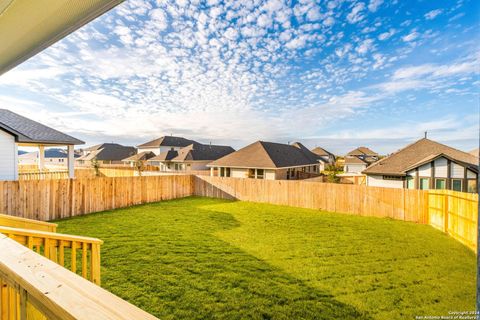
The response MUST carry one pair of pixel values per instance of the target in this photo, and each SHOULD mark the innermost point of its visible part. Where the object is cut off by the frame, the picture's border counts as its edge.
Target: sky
(336, 74)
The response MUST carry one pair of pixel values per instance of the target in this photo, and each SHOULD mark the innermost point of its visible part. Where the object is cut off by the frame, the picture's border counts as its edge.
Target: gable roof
(108, 152)
(475, 152)
(416, 154)
(268, 155)
(165, 156)
(322, 152)
(202, 152)
(167, 141)
(355, 160)
(144, 155)
(28, 131)
(362, 151)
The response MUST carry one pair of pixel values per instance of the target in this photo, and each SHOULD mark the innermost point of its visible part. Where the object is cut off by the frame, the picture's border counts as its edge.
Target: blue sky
(338, 74)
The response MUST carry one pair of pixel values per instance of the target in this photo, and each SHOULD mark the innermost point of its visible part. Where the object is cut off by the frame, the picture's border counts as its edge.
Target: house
(164, 144)
(53, 156)
(16, 130)
(426, 164)
(268, 160)
(325, 157)
(106, 153)
(358, 160)
(195, 156)
(142, 156)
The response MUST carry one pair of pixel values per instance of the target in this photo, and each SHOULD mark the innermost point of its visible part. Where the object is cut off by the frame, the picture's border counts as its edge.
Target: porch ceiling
(28, 27)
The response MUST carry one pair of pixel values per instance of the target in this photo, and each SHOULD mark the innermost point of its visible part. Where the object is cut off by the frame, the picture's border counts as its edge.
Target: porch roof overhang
(28, 27)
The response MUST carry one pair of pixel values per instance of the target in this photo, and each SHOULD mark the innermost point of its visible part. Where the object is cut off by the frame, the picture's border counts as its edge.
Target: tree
(96, 166)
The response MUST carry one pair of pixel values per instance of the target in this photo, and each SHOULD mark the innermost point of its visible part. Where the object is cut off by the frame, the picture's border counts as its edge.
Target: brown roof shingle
(362, 151)
(322, 152)
(269, 155)
(416, 154)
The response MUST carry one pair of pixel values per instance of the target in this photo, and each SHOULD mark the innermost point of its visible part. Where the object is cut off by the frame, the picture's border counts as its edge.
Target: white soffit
(29, 26)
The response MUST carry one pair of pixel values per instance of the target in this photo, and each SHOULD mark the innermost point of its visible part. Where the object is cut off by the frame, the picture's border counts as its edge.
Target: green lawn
(200, 258)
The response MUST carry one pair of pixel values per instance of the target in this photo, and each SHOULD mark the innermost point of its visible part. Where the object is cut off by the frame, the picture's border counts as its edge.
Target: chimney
(425, 134)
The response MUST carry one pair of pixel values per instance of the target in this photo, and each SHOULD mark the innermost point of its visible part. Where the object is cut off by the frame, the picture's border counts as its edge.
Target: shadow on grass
(165, 259)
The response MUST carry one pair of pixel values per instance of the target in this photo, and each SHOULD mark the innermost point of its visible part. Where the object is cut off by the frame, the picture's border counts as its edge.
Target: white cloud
(374, 4)
(329, 21)
(411, 36)
(365, 46)
(386, 35)
(433, 14)
(356, 15)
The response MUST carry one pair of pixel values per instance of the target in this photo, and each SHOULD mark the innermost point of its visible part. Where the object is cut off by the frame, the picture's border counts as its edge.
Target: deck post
(71, 162)
(41, 158)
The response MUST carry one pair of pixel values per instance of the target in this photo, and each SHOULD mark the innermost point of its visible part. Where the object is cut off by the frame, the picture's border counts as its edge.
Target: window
(392, 178)
(424, 183)
(410, 183)
(440, 184)
(251, 173)
(222, 172)
(227, 172)
(457, 184)
(472, 185)
(260, 173)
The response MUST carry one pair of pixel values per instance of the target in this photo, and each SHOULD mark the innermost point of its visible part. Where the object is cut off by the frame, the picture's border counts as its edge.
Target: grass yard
(201, 258)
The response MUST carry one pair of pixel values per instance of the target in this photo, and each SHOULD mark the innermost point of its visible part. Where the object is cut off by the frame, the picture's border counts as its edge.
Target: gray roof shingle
(28, 131)
(166, 141)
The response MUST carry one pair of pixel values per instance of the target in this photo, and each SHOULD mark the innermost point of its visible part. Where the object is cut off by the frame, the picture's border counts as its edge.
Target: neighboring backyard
(201, 258)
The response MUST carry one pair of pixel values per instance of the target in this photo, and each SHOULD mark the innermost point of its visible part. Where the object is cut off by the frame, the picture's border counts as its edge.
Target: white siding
(154, 150)
(270, 174)
(378, 181)
(424, 171)
(471, 175)
(441, 168)
(354, 168)
(8, 157)
(238, 173)
(457, 171)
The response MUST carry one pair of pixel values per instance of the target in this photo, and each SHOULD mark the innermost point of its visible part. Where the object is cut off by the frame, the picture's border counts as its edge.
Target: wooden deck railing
(79, 254)
(33, 287)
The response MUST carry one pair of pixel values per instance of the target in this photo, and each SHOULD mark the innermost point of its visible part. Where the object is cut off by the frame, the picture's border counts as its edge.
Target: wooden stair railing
(34, 288)
(17, 222)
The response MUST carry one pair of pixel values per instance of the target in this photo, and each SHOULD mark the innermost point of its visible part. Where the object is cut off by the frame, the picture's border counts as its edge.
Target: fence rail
(44, 175)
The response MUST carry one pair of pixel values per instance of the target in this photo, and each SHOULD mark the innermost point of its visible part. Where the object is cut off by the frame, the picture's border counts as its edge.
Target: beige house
(358, 160)
(426, 164)
(195, 156)
(105, 153)
(325, 157)
(268, 160)
(141, 156)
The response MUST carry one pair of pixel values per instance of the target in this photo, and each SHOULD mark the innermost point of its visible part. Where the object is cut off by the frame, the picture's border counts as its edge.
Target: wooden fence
(452, 212)
(55, 199)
